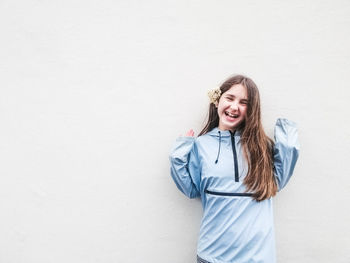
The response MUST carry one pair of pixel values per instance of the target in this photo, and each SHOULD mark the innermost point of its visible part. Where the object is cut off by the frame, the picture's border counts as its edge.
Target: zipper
(226, 194)
(234, 155)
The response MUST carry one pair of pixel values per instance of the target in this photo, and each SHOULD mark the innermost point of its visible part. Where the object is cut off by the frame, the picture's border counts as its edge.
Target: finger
(190, 133)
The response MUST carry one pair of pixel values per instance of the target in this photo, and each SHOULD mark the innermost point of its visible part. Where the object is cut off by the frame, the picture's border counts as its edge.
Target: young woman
(236, 170)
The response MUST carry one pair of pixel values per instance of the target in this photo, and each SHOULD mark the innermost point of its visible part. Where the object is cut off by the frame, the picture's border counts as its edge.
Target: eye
(244, 102)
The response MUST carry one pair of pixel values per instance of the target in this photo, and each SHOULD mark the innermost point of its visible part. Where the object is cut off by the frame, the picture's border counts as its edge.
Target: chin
(232, 126)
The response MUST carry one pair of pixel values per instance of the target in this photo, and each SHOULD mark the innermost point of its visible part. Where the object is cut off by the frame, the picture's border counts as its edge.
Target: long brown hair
(257, 146)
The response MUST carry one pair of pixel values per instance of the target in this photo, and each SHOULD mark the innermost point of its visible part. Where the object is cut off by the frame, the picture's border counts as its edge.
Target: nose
(234, 106)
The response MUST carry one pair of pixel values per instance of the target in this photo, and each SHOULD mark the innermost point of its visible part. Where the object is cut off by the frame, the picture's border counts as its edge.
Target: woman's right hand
(190, 133)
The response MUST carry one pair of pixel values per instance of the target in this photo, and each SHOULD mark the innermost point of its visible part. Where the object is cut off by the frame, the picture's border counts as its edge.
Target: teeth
(232, 115)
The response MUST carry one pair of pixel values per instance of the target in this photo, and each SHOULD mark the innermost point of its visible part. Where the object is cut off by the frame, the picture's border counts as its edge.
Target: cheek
(244, 111)
(220, 108)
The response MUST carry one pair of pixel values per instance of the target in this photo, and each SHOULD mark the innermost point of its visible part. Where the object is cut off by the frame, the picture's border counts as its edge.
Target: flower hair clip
(214, 96)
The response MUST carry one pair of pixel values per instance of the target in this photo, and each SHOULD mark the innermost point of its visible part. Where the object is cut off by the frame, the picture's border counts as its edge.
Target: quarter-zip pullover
(234, 227)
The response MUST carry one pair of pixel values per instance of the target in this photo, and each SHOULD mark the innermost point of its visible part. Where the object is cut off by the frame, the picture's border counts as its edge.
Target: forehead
(237, 90)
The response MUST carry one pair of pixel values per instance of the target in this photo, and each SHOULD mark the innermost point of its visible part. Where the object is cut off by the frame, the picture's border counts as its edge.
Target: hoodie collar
(225, 133)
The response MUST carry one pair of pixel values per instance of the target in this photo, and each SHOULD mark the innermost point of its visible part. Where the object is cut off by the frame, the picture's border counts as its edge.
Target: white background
(94, 93)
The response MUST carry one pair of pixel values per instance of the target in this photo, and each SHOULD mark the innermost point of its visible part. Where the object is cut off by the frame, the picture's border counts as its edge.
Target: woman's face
(232, 107)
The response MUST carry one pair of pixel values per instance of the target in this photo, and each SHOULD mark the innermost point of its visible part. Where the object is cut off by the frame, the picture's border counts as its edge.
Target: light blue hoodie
(235, 228)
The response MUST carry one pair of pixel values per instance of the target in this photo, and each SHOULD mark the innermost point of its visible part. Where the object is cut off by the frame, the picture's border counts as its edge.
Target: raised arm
(185, 168)
(286, 151)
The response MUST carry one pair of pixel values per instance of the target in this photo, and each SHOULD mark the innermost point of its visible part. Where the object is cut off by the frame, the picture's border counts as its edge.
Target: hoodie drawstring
(217, 158)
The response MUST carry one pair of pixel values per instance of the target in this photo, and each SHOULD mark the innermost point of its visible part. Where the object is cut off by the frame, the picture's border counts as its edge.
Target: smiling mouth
(231, 115)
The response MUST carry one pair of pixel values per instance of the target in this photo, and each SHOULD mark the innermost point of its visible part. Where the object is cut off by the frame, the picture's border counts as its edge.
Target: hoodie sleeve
(185, 169)
(286, 151)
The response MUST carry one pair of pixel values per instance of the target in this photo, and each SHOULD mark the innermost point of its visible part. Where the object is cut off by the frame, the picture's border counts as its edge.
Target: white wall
(93, 94)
